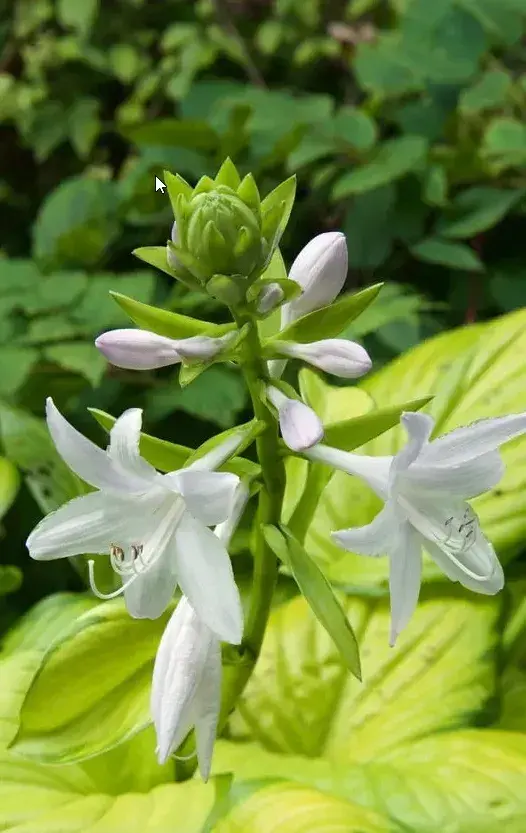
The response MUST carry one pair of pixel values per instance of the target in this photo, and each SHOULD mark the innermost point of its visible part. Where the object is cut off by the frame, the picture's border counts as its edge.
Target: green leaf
(505, 142)
(27, 444)
(356, 431)
(299, 809)
(445, 253)
(16, 363)
(472, 373)
(165, 323)
(355, 127)
(431, 785)
(84, 125)
(11, 579)
(318, 593)
(217, 395)
(435, 185)
(9, 484)
(330, 321)
(109, 700)
(154, 256)
(490, 90)
(97, 309)
(76, 223)
(479, 209)
(77, 15)
(276, 209)
(394, 159)
(302, 700)
(79, 358)
(56, 292)
(245, 435)
(394, 303)
(196, 135)
(368, 222)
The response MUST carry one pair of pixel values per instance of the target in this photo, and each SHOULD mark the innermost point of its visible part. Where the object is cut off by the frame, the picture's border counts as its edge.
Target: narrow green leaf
(330, 321)
(352, 433)
(165, 323)
(176, 185)
(318, 593)
(154, 256)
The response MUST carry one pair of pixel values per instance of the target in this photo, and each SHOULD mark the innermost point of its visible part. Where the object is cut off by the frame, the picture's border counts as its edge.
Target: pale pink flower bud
(138, 349)
(338, 356)
(270, 297)
(300, 426)
(320, 269)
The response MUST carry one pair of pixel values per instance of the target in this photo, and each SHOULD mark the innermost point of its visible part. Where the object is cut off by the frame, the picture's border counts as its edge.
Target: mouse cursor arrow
(159, 185)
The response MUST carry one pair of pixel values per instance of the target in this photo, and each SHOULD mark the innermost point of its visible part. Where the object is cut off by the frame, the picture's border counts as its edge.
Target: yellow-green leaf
(166, 323)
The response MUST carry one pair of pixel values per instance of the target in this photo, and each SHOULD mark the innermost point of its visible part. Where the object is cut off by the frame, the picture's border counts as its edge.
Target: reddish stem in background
(474, 285)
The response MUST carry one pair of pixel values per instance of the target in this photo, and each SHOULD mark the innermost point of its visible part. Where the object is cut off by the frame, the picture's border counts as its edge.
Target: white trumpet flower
(338, 356)
(425, 488)
(300, 426)
(186, 685)
(143, 350)
(154, 526)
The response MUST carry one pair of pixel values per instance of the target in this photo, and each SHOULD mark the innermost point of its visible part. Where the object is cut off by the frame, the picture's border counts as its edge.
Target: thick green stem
(239, 662)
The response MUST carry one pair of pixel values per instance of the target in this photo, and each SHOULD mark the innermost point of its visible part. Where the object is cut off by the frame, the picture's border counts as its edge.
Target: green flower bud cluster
(224, 234)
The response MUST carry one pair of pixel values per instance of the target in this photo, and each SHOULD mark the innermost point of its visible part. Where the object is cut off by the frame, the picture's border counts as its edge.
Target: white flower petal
(205, 576)
(87, 460)
(482, 572)
(137, 349)
(124, 447)
(206, 708)
(374, 470)
(465, 443)
(209, 495)
(464, 480)
(87, 524)
(338, 356)
(321, 270)
(225, 530)
(178, 667)
(405, 575)
(375, 538)
(148, 595)
(300, 426)
(454, 528)
(419, 428)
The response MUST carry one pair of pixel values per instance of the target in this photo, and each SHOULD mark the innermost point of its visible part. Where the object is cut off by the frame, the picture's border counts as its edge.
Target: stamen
(99, 593)
(466, 529)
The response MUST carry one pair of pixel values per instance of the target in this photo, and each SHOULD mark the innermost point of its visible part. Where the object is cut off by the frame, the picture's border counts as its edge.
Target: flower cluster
(156, 528)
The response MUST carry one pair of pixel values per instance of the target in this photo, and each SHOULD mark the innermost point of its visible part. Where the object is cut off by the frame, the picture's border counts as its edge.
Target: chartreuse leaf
(294, 808)
(318, 593)
(355, 431)
(301, 699)
(330, 321)
(89, 694)
(472, 373)
(165, 323)
(276, 209)
(154, 256)
(469, 781)
(11, 579)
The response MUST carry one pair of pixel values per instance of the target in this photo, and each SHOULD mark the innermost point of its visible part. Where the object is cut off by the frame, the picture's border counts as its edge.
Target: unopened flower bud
(270, 296)
(320, 269)
(333, 355)
(223, 234)
(300, 426)
(142, 350)
(138, 349)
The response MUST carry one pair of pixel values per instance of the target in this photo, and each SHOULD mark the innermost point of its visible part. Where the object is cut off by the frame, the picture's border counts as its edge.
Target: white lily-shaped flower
(425, 488)
(154, 526)
(186, 685)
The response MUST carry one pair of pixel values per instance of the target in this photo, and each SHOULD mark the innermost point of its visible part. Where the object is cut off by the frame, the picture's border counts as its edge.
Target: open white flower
(186, 685)
(154, 526)
(425, 488)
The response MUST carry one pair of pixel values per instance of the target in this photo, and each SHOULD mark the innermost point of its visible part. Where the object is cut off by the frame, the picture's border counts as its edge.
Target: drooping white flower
(320, 269)
(425, 488)
(154, 526)
(300, 426)
(338, 356)
(143, 350)
(186, 685)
